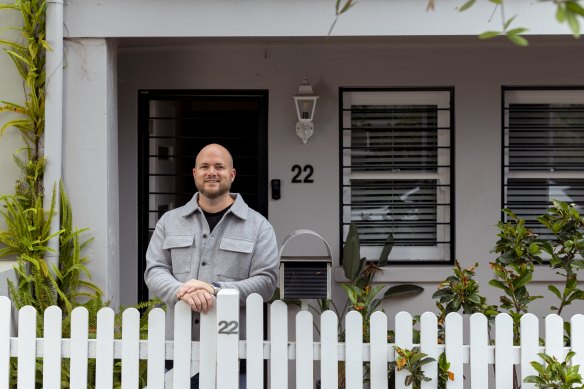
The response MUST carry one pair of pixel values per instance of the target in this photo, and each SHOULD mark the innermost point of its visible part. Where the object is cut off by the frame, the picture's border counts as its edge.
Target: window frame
(401, 255)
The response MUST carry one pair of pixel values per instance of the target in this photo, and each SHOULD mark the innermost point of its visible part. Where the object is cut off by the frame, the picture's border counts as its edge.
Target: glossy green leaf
(574, 7)
(518, 40)
(574, 24)
(560, 14)
(351, 253)
(555, 291)
(508, 22)
(467, 5)
(403, 290)
(489, 34)
(387, 247)
(498, 284)
(522, 280)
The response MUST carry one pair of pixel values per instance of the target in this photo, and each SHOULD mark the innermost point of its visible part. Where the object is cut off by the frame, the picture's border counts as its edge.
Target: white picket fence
(220, 348)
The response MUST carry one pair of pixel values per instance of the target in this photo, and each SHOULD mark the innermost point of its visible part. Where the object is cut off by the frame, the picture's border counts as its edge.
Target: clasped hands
(198, 294)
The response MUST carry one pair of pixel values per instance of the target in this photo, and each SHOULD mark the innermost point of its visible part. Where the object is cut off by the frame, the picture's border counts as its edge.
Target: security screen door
(173, 126)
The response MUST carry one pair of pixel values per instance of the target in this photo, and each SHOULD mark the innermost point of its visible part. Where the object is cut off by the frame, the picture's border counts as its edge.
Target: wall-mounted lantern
(305, 102)
(305, 277)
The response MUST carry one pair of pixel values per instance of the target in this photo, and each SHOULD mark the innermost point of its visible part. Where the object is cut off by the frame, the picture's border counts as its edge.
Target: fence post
(53, 324)
(206, 363)
(5, 314)
(27, 317)
(529, 347)
(79, 348)
(156, 348)
(228, 339)
(479, 351)
(403, 339)
(104, 353)
(181, 372)
(503, 351)
(453, 348)
(577, 339)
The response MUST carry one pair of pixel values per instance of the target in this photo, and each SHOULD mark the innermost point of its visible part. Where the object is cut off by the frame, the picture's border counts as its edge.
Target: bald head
(214, 150)
(214, 173)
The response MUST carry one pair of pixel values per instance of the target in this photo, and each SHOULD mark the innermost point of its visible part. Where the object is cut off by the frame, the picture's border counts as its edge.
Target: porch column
(90, 153)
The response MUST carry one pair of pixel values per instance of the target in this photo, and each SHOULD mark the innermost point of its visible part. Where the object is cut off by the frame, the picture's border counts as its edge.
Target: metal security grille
(396, 170)
(543, 150)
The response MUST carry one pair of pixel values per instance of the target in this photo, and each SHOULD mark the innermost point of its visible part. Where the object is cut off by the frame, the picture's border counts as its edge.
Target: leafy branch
(555, 374)
(567, 12)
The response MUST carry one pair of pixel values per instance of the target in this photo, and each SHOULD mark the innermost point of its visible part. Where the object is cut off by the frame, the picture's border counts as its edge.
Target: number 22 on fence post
(228, 339)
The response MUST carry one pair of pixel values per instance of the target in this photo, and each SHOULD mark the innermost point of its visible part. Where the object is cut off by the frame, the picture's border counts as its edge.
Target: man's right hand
(193, 285)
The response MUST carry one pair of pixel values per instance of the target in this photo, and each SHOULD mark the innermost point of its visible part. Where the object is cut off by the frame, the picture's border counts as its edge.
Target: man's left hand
(199, 300)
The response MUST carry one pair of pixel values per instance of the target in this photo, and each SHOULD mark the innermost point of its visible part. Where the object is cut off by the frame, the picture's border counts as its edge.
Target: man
(214, 241)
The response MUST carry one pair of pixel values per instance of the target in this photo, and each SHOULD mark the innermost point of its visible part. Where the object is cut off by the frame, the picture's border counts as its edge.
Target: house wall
(475, 70)
(10, 90)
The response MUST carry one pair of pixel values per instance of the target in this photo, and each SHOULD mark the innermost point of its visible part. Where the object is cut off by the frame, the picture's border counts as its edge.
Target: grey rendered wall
(476, 70)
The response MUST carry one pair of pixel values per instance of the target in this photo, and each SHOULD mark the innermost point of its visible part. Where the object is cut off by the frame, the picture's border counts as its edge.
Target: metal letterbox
(305, 277)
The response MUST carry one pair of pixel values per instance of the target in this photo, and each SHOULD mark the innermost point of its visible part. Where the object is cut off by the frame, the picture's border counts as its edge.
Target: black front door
(173, 126)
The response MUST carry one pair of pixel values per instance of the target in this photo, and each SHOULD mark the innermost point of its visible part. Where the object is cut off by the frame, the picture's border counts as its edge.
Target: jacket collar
(239, 207)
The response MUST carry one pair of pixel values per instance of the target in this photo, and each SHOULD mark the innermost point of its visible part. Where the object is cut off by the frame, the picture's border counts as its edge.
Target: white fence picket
(79, 348)
(278, 345)
(130, 348)
(182, 346)
(254, 336)
(577, 339)
(206, 360)
(156, 349)
(454, 349)
(529, 333)
(105, 349)
(554, 336)
(429, 346)
(304, 350)
(479, 351)
(53, 322)
(228, 339)
(27, 317)
(504, 351)
(329, 364)
(5, 317)
(354, 350)
(379, 356)
(403, 339)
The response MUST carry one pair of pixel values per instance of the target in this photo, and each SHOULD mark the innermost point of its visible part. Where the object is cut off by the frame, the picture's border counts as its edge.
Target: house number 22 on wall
(302, 174)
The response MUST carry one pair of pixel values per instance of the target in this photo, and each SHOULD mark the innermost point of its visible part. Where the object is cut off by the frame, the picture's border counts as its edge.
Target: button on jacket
(241, 253)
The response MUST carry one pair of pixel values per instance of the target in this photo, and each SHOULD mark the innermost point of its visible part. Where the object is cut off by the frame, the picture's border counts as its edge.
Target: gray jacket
(241, 253)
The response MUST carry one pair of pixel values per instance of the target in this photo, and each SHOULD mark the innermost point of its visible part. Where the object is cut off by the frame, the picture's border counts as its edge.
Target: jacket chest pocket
(181, 252)
(237, 255)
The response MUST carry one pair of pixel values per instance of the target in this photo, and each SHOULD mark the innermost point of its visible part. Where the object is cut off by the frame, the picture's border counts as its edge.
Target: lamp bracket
(304, 130)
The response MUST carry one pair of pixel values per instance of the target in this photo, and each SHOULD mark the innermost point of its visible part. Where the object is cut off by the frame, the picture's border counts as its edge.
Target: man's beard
(214, 193)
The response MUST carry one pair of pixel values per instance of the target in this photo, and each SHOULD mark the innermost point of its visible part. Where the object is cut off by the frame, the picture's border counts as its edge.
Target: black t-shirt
(213, 218)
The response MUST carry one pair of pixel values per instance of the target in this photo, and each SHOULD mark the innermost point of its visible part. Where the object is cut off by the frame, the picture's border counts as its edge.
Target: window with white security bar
(397, 171)
(543, 150)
